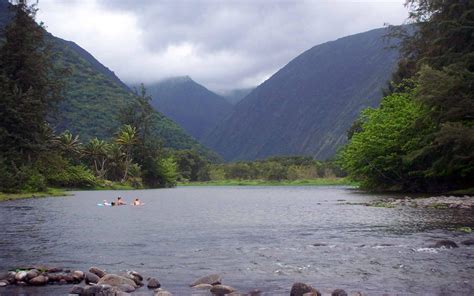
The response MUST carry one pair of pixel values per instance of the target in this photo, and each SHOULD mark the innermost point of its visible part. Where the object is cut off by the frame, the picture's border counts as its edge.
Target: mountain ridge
(190, 104)
(296, 110)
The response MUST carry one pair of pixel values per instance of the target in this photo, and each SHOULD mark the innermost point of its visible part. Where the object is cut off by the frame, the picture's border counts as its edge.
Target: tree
(96, 150)
(127, 137)
(30, 86)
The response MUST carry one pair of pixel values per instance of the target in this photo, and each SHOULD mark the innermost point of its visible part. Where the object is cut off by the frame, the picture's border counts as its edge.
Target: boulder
(98, 272)
(135, 274)
(32, 274)
(4, 283)
(39, 280)
(8, 277)
(299, 289)
(221, 289)
(125, 288)
(213, 279)
(69, 278)
(339, 292)
(468, 242)
(161, 292)
(136, 279)
(116, 280)
(153, 283)
(203, 286)
(445, 243)
(91, 290)
(255, 292)
(78, 276)
(90, 277)
(55, 277)
(76, 290)
(54, 269)
(21, 276)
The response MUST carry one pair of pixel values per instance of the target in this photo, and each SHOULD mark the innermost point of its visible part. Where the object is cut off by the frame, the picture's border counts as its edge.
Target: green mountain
(236, 95)
(189, 104)
(307, 106)
(94, 95)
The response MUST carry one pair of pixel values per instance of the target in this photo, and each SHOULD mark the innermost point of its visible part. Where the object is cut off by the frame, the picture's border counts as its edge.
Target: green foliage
(375, 155)
(167, 169)
(276, 169)
(425, 141)
(73, 176)
(191, 166)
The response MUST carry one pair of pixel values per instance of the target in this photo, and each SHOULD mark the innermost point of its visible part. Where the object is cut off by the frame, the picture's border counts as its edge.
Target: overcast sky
(221, 44)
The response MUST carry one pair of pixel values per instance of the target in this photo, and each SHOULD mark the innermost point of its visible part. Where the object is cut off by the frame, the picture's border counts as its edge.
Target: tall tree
(127, 138)
(30, 85)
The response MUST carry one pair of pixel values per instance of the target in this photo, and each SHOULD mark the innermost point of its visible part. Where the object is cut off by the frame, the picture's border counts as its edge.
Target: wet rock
(339, 292)
(445, 243)
(255, 292)
(69, 278)
(32, 274)
(90, 277)
(91, 290)
(153, 283)
(55, 269)
(125, 288)
(136, 279)
(116, 280)
(77, 290)
(21, 276)
(221, 289)
(53, 278)
(21, 283)
(98, 272)
(136, 274)
(161, 292)
(203, 286)
(8, 277)
(213, 279)
(4, 283)
(62, 281)
(299, 289)
(468, 242)
(39, 280)
(78, 276)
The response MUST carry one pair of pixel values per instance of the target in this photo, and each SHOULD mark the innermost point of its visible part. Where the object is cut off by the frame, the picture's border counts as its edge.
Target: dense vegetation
(194, 168)
(421, 138)
(94, 96)
(33, 156)
(307, 106)
(190, 104)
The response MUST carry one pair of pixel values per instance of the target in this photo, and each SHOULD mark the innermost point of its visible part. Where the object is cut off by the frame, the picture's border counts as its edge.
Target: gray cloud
(221, 44)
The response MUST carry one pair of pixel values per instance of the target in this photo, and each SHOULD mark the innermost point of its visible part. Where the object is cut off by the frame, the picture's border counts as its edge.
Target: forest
(421, 137)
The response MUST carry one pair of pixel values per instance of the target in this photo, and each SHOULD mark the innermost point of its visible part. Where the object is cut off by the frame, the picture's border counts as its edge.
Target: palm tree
(97, 150)
(69, 144)
(127, 137)
(116, 159)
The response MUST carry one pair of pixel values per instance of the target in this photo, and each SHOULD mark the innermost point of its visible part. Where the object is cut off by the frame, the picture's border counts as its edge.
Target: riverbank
(306, 182)
(22, 195)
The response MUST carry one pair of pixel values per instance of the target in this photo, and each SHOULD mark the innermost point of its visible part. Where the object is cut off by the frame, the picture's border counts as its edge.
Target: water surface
(255, 237)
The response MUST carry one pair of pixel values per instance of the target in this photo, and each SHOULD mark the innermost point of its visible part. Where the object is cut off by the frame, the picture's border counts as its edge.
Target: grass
(309, 182)
(22, 195)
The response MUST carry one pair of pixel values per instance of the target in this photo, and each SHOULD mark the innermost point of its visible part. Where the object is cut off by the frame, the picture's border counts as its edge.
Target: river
(256, 237)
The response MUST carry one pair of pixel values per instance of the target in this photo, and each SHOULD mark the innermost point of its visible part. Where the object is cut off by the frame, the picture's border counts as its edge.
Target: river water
(256, 237)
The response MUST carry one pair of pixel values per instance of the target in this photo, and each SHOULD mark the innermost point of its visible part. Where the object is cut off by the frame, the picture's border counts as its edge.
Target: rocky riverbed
(97, 282)
(437, 202)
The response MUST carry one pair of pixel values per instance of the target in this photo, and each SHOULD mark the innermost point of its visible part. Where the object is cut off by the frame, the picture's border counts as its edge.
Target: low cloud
(221, 44)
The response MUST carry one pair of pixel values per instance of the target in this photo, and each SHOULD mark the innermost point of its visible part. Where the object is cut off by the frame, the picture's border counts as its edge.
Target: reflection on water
(256, 237)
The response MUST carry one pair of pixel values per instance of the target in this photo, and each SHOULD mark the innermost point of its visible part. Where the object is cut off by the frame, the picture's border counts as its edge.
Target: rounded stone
(98, 272)
(153, 283)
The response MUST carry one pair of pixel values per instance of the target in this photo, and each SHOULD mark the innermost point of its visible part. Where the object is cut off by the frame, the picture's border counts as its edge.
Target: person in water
(120, 201)
(137, 202)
